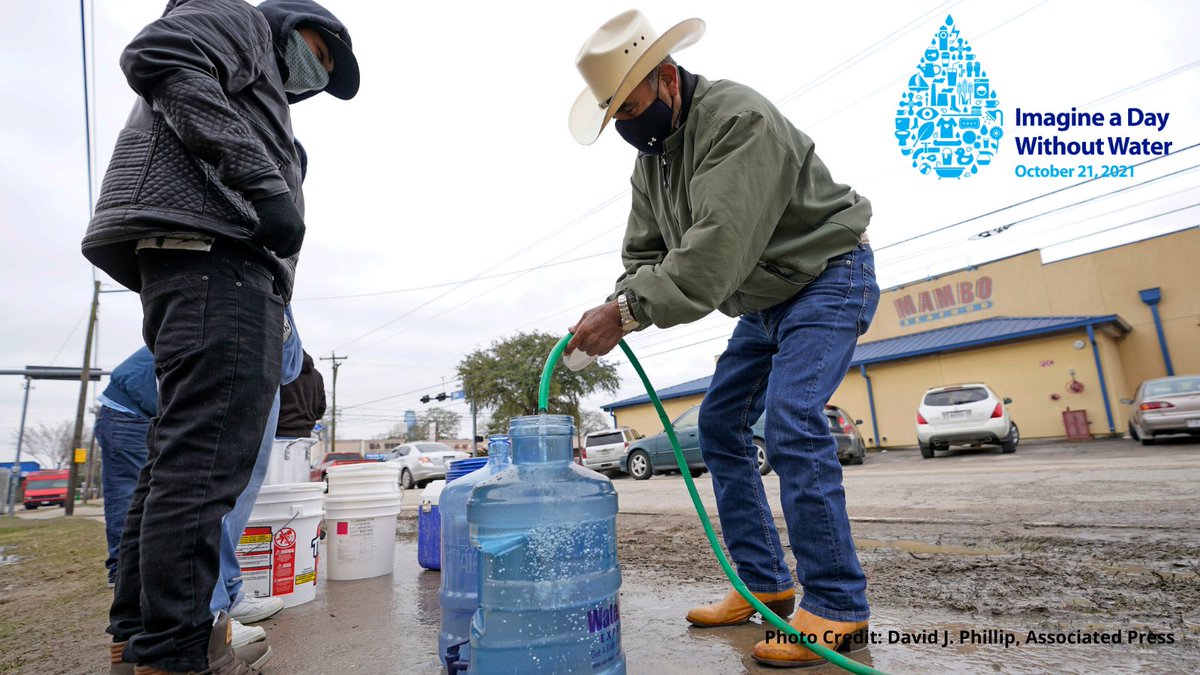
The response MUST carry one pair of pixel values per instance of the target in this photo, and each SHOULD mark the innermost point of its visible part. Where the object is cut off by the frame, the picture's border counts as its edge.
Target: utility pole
(84, 376)
(16, 474)
(337, 361)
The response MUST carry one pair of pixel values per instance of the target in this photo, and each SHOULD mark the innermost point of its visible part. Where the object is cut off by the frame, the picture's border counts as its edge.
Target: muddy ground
(1058, 539)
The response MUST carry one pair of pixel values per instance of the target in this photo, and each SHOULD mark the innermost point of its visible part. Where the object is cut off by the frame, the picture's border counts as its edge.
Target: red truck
(46, 488)
(317, 473)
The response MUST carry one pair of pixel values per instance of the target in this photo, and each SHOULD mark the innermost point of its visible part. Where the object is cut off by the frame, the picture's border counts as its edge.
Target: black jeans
(214, 322)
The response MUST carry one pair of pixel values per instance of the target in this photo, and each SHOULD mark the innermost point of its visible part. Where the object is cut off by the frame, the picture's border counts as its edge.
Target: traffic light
(442, 396)
(425, 398)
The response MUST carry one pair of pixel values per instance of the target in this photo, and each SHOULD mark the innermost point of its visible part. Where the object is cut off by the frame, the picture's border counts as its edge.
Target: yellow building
(1075, 334)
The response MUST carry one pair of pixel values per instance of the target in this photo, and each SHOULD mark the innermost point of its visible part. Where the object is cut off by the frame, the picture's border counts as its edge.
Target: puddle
(912, 546)
(1146, 571)
(7, 559)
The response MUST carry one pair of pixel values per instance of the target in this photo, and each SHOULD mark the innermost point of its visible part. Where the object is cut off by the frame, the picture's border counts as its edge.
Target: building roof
(951, 338)
(975, 334)
(691, 388)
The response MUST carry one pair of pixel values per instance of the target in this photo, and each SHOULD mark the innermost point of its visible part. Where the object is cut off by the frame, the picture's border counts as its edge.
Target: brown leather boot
(786, 651)
(734, 609)
(222, 658)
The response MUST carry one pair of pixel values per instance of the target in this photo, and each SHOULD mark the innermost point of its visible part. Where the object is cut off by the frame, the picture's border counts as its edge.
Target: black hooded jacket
(210, 133)
(301, 402)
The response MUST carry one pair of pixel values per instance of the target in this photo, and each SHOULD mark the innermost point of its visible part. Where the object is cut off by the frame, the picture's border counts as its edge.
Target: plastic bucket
(290, 461)
(356, 479)
(361, 535)
(279, 549)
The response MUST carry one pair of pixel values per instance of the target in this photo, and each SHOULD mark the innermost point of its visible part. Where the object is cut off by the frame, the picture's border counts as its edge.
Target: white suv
(964, 414)
(604, 449)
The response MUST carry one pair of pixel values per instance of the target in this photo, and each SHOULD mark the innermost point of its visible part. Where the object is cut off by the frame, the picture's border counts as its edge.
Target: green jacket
(738, 214)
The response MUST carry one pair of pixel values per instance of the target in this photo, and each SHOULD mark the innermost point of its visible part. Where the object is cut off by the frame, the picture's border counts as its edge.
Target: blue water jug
(459, 594)
(549, 579)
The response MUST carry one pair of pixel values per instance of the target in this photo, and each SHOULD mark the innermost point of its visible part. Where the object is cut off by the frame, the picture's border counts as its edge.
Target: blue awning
(948, 339)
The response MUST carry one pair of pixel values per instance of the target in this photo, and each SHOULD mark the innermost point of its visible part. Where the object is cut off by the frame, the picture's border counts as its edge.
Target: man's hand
(598, 330)
(280, 226)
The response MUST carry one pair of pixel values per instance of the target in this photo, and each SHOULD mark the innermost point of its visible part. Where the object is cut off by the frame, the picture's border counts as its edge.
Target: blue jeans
(228, 590)
(787, 361)
(122, 440)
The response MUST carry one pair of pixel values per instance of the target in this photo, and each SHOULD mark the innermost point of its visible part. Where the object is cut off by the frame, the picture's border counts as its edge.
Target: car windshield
(1177, 385)
(428, 448)
(46, 484)
(605, 439)
(833, 423)
(955, 396)
(690, 418)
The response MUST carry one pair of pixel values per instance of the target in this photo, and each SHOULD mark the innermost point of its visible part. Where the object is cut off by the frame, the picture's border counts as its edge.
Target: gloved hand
(280, 226)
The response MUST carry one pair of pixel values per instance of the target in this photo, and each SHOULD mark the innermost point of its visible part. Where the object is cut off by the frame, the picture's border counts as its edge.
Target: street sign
(410, 418)
(458, 395)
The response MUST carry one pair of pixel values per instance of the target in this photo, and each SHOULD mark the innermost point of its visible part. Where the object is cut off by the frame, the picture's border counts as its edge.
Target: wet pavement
(1063, 540)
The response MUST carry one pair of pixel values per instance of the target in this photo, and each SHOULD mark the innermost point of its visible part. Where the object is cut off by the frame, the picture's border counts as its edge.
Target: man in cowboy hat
(733, 210)
(201, 214)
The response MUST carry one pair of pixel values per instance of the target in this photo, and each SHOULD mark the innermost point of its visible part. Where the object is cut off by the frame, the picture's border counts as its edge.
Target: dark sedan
(654, 454)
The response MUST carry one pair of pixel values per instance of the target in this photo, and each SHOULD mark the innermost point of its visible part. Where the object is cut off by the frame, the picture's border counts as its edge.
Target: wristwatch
(628, 323)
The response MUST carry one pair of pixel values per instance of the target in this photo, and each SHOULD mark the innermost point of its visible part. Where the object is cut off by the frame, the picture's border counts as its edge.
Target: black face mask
(647, 131)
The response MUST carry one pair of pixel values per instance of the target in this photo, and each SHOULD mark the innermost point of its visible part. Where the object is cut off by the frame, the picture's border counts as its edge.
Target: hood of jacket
(284, 16)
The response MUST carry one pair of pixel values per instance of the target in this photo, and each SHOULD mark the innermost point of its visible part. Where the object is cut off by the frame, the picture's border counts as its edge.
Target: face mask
(647, 131)
(305, 72)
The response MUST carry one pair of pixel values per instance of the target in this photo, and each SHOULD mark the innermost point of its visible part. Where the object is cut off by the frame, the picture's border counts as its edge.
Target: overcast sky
(455, 162)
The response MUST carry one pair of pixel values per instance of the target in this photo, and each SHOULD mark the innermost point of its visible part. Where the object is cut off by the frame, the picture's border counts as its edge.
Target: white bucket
(357, 479)
(291, 459)
(361, 535)
(279, 548)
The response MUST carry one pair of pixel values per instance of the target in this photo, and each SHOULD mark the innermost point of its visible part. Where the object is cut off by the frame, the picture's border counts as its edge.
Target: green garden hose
(818, 649)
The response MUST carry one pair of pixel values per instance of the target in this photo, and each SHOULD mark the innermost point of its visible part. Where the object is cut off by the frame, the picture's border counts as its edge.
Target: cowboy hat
(614, 60)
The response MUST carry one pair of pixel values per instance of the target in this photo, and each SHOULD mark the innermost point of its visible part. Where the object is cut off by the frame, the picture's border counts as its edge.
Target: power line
(1035, 198)
(456, 283)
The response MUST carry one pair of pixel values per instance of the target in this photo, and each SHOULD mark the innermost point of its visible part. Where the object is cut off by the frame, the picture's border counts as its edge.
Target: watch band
(628, 322)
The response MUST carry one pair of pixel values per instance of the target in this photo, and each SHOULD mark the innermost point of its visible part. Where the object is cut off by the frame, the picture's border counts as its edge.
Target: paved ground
(1058, 539)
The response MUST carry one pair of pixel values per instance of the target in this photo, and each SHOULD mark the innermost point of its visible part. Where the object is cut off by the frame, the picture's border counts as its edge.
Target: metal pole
(337, 361)
(474, 445)
(15, 479)
(85, 375)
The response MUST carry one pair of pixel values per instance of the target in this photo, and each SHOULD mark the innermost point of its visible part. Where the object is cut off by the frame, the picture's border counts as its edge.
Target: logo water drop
(948, 121)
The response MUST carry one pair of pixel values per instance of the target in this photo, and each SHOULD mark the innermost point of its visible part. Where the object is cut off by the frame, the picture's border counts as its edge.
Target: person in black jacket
(200, 212)
(301, 402)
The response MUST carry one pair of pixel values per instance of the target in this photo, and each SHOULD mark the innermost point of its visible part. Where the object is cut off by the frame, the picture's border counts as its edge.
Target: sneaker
(244, 635)
(253, 610)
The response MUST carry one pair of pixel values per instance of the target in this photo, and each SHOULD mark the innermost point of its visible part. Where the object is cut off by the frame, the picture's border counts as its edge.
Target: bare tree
(51, 445)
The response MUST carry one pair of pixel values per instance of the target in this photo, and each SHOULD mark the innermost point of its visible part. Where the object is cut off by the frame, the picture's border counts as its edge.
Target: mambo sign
(945, 301)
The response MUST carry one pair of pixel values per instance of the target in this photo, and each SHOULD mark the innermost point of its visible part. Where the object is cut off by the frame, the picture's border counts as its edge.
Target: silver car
(1165, 406)
(422, 462)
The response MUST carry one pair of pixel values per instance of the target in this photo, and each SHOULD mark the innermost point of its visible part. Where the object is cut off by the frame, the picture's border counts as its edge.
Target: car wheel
(639, 465)
(764, 467)
(406, 480)
(696, 473)
(1133, 432)
(30, 507)
(1146, 440)
(858, 459)
(926, 451)
(1014, 437)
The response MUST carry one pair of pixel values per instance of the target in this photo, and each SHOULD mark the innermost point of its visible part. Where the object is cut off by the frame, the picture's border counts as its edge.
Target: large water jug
(459, 594)
(549, 580)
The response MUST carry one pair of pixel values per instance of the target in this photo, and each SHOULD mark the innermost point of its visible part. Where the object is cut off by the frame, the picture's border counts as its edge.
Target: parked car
(1165, 406)
(46, 488)
(964, 414)
(422, 462)
(851, 447)
(604, 449)
(317, 473)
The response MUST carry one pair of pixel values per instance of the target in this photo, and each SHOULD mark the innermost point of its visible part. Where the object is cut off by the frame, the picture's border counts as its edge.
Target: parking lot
(1057, 538)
